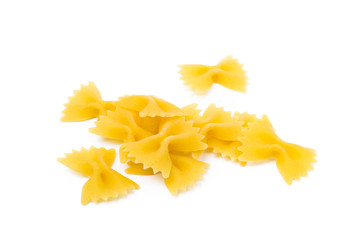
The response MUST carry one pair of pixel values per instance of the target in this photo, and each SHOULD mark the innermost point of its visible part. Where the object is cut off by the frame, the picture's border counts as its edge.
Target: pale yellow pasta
(159, 138)
(153, 152)
(86, 104)
(259, 143)
(228, 73)
(168, 153)
(221, 129)
(104, 182)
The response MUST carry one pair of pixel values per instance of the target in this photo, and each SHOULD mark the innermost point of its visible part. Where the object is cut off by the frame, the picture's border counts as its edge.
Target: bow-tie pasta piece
(86, 104)
(228, 73)
(104, 182)
(221, 130)
(175, 135)
(259, 142)
(149, 106)
(122, 125)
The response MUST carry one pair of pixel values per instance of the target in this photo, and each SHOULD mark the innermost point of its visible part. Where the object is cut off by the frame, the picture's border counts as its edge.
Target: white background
(302, 59)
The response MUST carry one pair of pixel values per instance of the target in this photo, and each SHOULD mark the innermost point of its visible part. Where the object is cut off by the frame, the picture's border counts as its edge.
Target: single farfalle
(104, 182)
(221, 130)
(86, 104)
(124, 125)
(228, 73)
(149, 106)
(259, 143)
(168, 153)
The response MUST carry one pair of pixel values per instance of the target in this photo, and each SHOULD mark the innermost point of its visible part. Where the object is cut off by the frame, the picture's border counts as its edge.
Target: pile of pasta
(157, 137)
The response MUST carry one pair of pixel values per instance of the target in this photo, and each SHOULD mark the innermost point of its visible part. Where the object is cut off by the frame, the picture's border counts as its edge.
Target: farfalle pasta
(86, 104)
(153, 152)
(169, 153)
(221, 130)
(228, 73)
(259, 142)
(158, 137)
(104, 182)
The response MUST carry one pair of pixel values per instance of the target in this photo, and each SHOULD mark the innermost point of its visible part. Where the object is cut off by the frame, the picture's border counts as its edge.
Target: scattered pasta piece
(86, 104)
(261, 143)
(154, 151)
(228, 73)
(149, 106)
(221, 130)
(104, 182)
(122, 125)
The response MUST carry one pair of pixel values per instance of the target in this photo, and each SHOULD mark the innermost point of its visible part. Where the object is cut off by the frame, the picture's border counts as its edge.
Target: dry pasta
(259, 142)
(104, 182)
(169, 153)
(221, 130)
(85, 104)
(228, 73)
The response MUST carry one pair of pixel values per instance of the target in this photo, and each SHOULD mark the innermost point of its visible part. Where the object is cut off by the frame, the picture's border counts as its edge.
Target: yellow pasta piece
(121, 124)
(221, 130)
(86, 104)
(261, 143)
(228, 73)
(104, 182)
(154, 151)
(149, 106)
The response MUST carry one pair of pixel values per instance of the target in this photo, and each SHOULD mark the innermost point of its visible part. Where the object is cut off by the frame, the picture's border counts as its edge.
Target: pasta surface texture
(228, 73)
(104, 182)
(259, 142)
